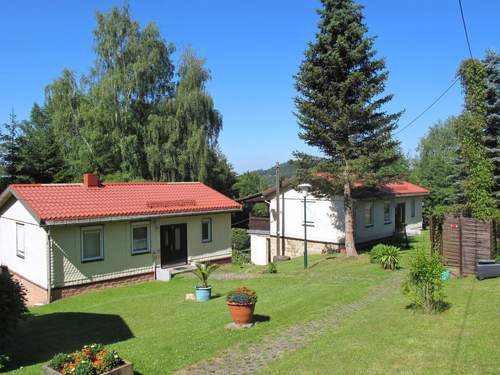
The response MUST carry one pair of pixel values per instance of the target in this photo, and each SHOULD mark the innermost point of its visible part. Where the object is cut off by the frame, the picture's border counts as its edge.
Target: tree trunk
(350, 246)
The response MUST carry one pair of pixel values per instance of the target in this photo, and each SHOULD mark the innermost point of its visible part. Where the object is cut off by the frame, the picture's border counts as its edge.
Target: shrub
(12, 309)
(423, 284)
(241, 245)
(240, 239)
(388, 256)
(90, 360)
(242, 296)
(272, 268)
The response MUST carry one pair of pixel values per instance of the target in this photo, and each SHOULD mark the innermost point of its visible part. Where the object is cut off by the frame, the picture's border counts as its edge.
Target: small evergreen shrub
(424, 284)
(272, 268)
(240, 239)
(388, 256)
(241, 245)
(12, 310)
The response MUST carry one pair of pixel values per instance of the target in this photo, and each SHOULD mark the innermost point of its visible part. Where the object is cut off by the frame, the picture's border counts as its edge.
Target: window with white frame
(387, 212)
(206, 230)
(92, 243)
(20, 240)
(412, 208)
(140, 238)
(368, 214)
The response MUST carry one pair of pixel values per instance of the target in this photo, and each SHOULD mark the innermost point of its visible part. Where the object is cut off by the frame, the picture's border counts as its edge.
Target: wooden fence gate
(463, 241)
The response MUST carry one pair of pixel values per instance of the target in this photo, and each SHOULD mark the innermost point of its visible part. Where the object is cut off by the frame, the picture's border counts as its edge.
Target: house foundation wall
(35, 294)
(68, 291)
(295, 247)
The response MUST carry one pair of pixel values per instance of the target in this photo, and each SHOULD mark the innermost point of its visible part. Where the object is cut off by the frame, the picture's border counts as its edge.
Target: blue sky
(253, 48)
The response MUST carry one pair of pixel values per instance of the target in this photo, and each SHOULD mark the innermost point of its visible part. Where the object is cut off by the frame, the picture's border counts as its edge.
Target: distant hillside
(287, 169)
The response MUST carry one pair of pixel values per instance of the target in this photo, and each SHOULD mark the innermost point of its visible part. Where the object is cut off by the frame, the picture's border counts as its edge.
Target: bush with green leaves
(12, 309)
(388, 256)
(423, 284)
(241, 245)
(272, 268)
(240, 239)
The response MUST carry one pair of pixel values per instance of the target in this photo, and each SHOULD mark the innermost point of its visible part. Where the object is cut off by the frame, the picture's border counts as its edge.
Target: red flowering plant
(242, 296)
(90, 360)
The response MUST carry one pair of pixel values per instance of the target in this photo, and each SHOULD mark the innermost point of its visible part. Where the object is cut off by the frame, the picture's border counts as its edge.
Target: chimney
(90, 180)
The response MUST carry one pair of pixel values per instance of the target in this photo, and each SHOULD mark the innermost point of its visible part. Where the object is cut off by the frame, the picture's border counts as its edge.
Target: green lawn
(152, 326)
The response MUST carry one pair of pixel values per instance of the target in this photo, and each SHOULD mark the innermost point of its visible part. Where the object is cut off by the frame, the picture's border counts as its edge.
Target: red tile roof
(61, 202)
(399, 188)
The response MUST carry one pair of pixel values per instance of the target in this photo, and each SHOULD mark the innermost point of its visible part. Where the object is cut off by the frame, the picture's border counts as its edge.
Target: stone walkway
(270, 348)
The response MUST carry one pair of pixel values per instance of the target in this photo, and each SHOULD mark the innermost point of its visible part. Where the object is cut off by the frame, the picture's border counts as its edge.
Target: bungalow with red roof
(62, 239)
(379, 213)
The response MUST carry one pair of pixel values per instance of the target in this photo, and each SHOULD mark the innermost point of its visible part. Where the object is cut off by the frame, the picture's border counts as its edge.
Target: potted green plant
(241, 303)
(203, 272)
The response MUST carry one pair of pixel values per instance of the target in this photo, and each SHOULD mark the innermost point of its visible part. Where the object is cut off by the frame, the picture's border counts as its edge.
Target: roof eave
(10, 192)
(136, 217)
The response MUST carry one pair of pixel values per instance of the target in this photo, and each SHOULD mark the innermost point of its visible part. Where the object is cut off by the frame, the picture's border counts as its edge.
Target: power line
(465, 28)
(428, 107)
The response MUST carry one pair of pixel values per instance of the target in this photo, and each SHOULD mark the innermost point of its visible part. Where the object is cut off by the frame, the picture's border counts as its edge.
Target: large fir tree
(340, 107)
(9, 152)
(492, 131)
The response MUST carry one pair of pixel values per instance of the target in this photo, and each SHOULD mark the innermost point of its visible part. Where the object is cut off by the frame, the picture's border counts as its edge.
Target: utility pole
(278, 253)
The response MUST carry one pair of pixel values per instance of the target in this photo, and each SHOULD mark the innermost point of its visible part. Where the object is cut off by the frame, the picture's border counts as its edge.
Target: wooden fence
(462, 241)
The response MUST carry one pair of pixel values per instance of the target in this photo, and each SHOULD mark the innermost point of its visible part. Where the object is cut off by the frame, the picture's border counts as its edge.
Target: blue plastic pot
(445, 275)
(203, 294)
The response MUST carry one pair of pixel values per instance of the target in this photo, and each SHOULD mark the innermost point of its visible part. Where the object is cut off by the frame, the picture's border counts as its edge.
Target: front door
(400, 214)
(173, 244)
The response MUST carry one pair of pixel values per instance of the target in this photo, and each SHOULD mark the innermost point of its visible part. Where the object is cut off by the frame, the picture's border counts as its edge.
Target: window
(387, 212)
(206, 230)
(140, 238)
(20, 240)
(92, 244)
(368, 214)
(412, 208)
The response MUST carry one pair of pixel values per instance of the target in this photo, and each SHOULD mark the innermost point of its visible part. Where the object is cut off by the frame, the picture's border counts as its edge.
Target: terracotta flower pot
(241, 314)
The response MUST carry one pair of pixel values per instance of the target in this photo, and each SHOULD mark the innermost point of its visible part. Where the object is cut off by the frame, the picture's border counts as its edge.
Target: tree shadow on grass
(441, 306)
(39, 338)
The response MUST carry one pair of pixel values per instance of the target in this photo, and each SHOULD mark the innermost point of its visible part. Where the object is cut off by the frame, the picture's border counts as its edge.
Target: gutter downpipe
(49, 266)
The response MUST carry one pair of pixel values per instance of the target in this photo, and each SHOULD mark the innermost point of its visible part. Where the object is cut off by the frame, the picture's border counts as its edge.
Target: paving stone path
(258, 355)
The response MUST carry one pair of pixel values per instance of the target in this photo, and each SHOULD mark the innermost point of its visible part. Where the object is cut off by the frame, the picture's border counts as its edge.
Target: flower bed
(90, 360)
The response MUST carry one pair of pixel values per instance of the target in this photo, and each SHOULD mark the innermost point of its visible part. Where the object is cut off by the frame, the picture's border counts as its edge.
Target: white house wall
(33, 267)
(379, 229)
(326, 217)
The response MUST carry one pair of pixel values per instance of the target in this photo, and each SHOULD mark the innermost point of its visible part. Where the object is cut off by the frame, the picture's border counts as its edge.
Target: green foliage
(423, 284)
(9, 152)
(492, 133)
(130, 117)
(12, 310)
(478, 168)
(240, 239)
(288, 169)
(59, 360)
(92, 359)
(248, 183)
(203, 272)
(388, 256)
(435, 167)
(272, 268)
(340, 107)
